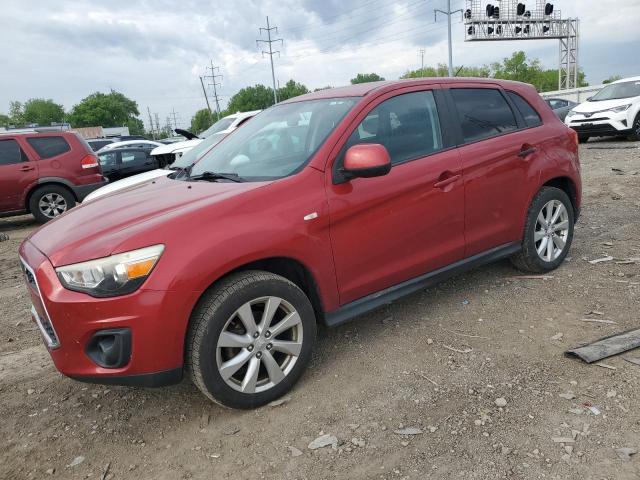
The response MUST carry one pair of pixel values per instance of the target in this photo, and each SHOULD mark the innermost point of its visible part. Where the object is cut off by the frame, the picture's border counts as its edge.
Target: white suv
(613, 111)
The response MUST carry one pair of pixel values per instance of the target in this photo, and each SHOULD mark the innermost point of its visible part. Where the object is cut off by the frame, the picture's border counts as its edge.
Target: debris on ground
(76, 461)
(607, 346)
(4, 237)
(408, 431)
(280, 401)
(295, 452)
(598, 320)
(324, 441)
(608, 258)
(500, 402)
(625, 453)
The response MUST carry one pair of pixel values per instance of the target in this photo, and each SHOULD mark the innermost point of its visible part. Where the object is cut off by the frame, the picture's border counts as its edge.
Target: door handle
(527, 150)
(27, 168)
(447, 181)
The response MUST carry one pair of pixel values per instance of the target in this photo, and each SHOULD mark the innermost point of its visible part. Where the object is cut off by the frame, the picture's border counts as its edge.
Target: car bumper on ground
(130, 340)
(81, 191)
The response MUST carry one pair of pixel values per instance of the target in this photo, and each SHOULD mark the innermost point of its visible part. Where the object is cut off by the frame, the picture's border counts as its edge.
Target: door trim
(390, 294)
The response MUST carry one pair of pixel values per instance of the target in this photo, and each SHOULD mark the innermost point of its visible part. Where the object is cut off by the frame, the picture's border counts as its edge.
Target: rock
(505, 450)
(404, 444)
(568, 449)
(76, 461)
(429, 341)
(611, 394)
(4, 237)
(567, 396)
(557, 336)
(500, 402)
(51, 471)
(294, 451)
(358, 442)
(30, 391)
(408, 431)
(280, 401)
(324, 441)
(432, 429)
(625, 453)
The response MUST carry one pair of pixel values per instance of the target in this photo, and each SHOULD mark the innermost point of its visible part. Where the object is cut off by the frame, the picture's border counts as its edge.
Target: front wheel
(250, 339)
(548, 232)
(635, 129)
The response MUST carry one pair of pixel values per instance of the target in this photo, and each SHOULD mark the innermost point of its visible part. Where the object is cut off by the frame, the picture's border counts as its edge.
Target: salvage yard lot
(434, 363)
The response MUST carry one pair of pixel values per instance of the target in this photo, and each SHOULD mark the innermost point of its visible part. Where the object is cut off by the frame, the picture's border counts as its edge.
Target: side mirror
(366, 160)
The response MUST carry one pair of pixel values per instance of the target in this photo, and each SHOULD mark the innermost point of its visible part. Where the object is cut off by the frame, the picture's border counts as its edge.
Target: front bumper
(81, 191)
(600, 124)
(154, 319)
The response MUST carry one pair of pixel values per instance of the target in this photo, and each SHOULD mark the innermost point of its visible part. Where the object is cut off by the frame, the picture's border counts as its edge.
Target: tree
(290, 90)
(365, 78)
(111, 109)
(135, 126)
(5, 120)
(42, 112)
(16, 113)
(257, 97)
(442, 71)
(612, 79)
(202, 120)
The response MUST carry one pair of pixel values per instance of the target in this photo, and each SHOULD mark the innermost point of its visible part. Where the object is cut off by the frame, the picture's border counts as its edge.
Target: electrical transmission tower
(153, 132)
(421, 53)
(271, 53)
(513, 20)
(205, 96)
(448, 13)
(215, 85)
(175, 118)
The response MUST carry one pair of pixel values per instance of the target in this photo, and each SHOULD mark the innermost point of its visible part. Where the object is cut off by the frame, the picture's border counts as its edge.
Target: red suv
(45, 174)
(320, 209)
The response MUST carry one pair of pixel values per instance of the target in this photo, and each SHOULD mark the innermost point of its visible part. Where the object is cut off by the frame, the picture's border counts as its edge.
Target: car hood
(127, 182)
(173, 147)
(101, 227)
(599, 106)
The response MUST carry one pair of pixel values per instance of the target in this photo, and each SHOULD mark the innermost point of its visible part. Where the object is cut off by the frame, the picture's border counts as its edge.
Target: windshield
(618, 90)
(190, 156)
(220, 125)
(277, 142)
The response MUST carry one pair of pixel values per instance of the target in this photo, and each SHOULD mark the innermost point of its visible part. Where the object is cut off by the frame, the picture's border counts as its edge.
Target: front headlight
(621, 108)
(111, 276)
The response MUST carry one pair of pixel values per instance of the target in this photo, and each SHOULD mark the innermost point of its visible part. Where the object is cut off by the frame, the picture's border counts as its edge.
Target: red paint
(369, 234)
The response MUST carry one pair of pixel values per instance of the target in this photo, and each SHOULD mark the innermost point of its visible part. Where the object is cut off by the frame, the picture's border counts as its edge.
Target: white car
(148, 144)
(170, 153)
(181, 162)
(613, 111)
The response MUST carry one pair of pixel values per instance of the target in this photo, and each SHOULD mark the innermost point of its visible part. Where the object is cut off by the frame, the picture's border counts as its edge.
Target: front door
(389, 229)
(17, 174)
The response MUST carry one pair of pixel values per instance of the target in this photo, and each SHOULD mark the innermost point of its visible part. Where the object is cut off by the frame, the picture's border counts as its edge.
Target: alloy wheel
(551, 230)
(52, 204)
(253, 356)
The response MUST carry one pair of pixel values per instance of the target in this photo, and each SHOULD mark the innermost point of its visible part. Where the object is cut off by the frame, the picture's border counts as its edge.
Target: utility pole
(153, 133)
(157, 123)
(215, 84)
(421, 53)
(448, 13)
(271, 53)
(205, 96)
(175, 120)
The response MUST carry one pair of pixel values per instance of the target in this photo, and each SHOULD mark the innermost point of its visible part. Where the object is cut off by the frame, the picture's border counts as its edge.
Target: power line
(215, 84)
(271, 53)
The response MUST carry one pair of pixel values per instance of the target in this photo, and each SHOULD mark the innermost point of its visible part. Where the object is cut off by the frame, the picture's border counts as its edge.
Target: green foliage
(365, 78)
(291, 89)
(202, 120)
(257, 97)
(442, 71)
(41, 111)
(612, 79)
(16, 113)
(111, 109)
(5, 120)
(136, 126)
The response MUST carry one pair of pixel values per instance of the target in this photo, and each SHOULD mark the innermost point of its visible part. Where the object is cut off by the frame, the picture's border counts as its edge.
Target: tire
(635, 130)
(583, 138)
(535, 233)
(50, 201)
(226, 309)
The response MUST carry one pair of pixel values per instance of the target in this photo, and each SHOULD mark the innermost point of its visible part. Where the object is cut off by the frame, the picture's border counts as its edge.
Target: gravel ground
(466, 380)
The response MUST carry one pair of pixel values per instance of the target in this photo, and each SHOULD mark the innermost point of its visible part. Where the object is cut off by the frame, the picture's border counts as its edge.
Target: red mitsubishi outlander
(320, 209)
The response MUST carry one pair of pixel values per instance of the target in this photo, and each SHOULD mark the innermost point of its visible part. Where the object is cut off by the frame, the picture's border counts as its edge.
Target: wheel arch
(43, 183)
(567, 185)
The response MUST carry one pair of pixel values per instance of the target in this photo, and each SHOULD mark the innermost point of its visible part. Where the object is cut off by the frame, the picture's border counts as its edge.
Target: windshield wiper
(234, 177)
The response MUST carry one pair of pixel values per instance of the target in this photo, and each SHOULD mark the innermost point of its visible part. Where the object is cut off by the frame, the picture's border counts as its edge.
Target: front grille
(596, 119)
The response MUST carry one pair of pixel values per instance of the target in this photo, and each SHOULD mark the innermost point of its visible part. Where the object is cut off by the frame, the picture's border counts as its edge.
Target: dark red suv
(45, 174)
(320, 209)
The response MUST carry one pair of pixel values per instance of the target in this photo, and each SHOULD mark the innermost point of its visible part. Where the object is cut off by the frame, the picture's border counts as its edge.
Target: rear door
(496, 152)
(17, 174)
(133, 162)
(389, 229)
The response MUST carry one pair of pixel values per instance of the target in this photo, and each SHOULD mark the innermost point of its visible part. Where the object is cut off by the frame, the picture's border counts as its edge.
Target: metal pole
(215, 91)
(449, 35)
(273, 75)
(205, 96)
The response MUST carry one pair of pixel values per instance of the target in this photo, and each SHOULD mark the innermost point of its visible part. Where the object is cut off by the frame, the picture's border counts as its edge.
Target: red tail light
(89, 161)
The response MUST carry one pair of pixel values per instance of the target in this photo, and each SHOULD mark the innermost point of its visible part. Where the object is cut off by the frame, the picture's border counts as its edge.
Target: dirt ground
(436, 361)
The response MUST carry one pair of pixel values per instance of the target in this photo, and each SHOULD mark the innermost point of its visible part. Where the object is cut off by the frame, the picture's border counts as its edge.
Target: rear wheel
(548, 232)
(50, 201)
(583, 138)
(250, 339)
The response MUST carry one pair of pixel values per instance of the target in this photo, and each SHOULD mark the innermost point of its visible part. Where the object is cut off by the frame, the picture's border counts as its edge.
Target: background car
(120, 163)
(560, 106)
(98, 143)
(45, 174)
(143, 144)
(167, 154)
(613, 111)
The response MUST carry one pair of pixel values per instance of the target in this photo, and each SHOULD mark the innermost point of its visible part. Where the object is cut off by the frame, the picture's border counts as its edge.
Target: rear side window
(48, 147)
(531, 117)
(407, 126)
(483, 113)
(128, 157)
(10, 152)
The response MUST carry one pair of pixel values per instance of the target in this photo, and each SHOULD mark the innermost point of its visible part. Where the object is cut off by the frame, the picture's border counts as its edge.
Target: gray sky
(154, 50)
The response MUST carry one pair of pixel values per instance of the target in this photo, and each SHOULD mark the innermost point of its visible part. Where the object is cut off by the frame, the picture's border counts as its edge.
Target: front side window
(530, 116)
(48, 147)
(617, 91)
(10, 152)
(483, 113)
(406, 125)
(276, 143)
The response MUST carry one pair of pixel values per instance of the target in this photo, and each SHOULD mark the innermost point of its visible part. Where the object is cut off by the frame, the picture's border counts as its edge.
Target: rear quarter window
(483, 113)
(531, 117)
(47, 147)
